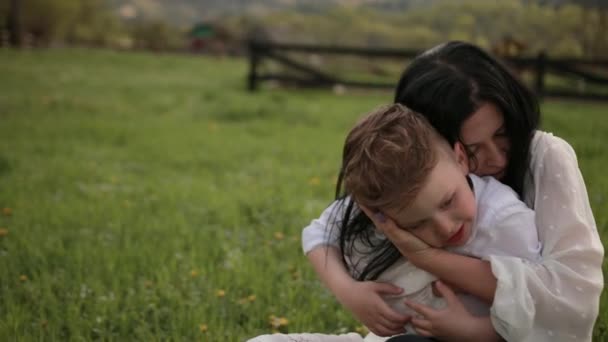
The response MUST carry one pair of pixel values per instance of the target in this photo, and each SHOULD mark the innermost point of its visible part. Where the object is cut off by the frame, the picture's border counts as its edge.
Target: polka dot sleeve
(557, 298)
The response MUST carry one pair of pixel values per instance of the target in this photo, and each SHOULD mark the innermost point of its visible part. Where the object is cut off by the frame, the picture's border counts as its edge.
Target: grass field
(150, 197)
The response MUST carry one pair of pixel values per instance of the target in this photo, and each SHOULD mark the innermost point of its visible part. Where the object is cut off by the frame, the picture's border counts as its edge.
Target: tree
(14, 23)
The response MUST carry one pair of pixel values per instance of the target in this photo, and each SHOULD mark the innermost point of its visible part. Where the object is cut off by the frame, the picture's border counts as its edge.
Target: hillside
(186, 12)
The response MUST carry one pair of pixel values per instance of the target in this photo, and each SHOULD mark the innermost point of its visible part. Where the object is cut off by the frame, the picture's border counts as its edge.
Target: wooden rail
(577, 70)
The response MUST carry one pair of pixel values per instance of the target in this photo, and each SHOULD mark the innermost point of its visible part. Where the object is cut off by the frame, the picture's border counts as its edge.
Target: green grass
(141, 185)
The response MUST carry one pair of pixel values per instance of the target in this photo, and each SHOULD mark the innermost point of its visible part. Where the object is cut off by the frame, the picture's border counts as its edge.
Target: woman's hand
(454, 323)
(364, 300)
(409, 245)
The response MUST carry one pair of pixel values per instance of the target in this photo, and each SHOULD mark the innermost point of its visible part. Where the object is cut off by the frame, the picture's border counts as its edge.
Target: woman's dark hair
(447, 84)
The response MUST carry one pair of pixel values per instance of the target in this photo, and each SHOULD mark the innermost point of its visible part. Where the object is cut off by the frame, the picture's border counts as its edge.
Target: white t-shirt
(557, 298)
(504, 225)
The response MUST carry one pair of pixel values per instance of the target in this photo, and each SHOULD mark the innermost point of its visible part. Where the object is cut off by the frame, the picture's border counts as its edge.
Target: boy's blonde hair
(388, 157)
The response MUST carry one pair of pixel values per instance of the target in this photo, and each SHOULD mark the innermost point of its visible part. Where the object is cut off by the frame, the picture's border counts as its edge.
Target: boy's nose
(445, 226)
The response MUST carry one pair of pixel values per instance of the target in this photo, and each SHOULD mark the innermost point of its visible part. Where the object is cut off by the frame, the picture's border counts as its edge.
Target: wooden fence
(580, 78)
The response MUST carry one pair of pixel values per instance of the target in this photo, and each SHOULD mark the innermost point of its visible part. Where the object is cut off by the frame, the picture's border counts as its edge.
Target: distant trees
(13, 21)
(82, 22)
(42, 22)
(561, 27)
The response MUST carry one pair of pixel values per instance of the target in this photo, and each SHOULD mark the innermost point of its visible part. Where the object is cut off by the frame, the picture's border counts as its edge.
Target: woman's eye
(501, 132)
(473, 149)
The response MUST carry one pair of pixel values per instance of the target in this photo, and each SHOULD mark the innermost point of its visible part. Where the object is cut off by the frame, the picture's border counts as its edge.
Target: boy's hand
(409, 245)
(454, 323)
(364, 300)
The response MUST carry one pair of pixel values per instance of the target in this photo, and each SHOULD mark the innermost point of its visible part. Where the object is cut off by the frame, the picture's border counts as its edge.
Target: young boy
(395, 163)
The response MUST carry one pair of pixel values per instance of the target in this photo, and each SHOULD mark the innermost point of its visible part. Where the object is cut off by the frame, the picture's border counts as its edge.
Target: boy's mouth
(457, 236)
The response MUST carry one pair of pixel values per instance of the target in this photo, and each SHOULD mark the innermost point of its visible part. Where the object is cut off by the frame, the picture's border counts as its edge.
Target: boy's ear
(461, 157)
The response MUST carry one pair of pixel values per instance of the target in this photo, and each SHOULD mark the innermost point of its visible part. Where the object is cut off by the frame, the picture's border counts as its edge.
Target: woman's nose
(497, 157)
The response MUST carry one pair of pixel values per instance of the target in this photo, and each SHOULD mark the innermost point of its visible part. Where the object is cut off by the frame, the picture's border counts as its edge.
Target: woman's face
(484, 135)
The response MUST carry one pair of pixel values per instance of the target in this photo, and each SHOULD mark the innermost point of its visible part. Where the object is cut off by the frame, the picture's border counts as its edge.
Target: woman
(471, 98)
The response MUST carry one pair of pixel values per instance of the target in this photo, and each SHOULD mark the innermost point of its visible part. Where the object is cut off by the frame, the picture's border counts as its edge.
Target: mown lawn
(151, 197)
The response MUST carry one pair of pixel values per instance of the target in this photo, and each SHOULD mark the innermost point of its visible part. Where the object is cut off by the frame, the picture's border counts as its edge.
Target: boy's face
(443, 212)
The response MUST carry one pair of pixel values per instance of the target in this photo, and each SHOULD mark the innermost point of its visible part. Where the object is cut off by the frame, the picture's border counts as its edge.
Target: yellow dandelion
(314, 181)
(251, 298)
(279, 235)
(274, 322)
(194, 273)
(7, 211)
(203, 328)
(242, 301)
(362, 330)
(220, 293)
(148, 284)
(277, 322)
(3, 232)
(23, 277)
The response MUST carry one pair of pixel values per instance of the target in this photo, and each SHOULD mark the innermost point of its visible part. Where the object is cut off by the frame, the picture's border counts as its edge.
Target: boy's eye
(412, 227)
(447, 203)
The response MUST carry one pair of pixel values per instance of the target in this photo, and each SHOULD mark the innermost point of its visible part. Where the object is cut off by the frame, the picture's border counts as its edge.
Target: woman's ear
(462, 157)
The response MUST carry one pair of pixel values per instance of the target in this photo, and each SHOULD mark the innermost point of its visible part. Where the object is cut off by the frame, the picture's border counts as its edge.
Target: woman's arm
(363, 299)
(454, 322)
(327, 262)
(471, 275)
(504, 226)
(557, 298)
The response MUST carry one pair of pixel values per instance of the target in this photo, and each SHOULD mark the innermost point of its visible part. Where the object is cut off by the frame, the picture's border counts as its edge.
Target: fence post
(254, 59)
(541, 65)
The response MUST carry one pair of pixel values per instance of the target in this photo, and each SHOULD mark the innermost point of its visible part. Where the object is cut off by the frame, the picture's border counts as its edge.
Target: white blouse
(556, 299)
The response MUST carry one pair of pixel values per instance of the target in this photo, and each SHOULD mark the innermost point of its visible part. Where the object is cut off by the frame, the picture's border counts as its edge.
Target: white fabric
(307, 337)
(556, 299)
(504, 225)
(320, 231)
